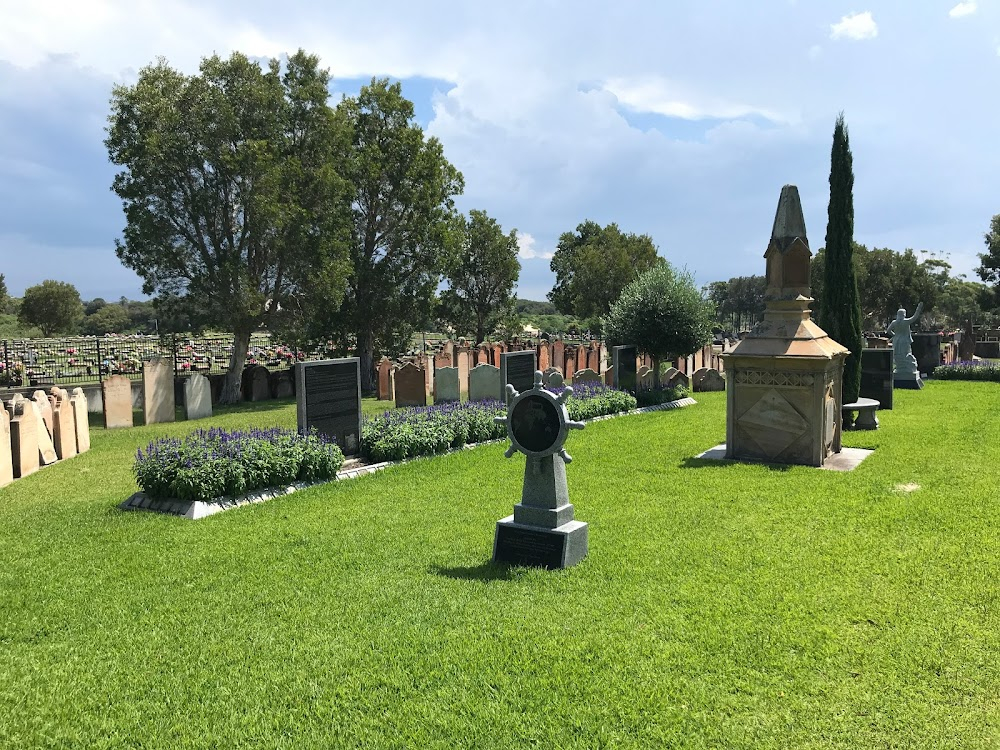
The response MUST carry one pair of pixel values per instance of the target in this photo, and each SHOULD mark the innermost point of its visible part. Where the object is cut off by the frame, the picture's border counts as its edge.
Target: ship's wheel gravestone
(542, 531)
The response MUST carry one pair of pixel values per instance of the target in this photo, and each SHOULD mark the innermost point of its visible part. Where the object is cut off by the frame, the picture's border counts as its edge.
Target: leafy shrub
(650, 397)
(424, 430)
(213, 463)
(976, 370)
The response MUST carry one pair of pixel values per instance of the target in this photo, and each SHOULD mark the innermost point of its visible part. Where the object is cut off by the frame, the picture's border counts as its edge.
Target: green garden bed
(730, 606)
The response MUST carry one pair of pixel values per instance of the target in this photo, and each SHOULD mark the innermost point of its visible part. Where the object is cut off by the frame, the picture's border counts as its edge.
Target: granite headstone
(328, 398)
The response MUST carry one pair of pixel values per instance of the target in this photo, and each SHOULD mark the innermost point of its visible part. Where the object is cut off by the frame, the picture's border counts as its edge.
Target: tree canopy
(739, 302)
(232, 201)
(402, 226)
(594, 264)
(54, 306)
(989, 265)
(482, 278)
(663, 313)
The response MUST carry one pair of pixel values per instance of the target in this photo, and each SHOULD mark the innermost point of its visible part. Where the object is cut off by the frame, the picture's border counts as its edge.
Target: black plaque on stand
(623, 359)
(876, 376)
(517, 369)
(520, 545)
(328, 398)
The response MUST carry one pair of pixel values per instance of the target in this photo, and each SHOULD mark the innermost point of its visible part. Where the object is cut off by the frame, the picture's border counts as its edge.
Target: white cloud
(964, 9)
(526, 248)
(856, 26)
(660, 96)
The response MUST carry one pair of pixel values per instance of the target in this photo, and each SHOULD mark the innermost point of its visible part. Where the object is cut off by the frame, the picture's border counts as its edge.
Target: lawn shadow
(487, 571)
(694, 462)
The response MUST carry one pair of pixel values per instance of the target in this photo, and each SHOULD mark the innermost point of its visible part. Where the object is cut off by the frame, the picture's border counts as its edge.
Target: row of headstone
(159, 396)
(41, 430)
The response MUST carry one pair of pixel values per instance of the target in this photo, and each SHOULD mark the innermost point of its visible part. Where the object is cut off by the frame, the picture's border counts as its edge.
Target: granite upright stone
(485, 383)
(446, 386)
(116, 393)
(328, 400)
(158, 390)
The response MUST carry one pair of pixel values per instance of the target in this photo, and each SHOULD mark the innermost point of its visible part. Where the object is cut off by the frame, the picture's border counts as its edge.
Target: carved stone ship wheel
(537, 421)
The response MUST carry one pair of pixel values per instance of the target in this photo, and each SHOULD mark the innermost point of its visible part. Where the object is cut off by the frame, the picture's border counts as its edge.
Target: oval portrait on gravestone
(534, 423)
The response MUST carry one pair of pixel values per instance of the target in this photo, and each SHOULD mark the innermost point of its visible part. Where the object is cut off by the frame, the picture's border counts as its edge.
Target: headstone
(623, 361)
(63, 427)
(81, 420)
(384, 368)
(602, 353)
(446, 388)
(410, 386)
(593, 357)
(46, 450)
(462, 358)
(549, 374)
(281, 382)
(442, 359)
(328, 398)
(24, 428)
(559, 355)
(609, 377)
(569, 360)
(876, 376)
(255, 383)
(517, 369)
(485, 384)
(157, 390)
(644, 378)
(927, 350)
(197, 397)
(6, 457)
(542, 531)
(544, 358)
(666, 375)
(116, 392)
(428, 365)
(708, 379)
(679, 380)
(586, 376)
(45, 408)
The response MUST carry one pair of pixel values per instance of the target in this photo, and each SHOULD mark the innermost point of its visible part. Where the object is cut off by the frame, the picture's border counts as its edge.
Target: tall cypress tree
(840, 313)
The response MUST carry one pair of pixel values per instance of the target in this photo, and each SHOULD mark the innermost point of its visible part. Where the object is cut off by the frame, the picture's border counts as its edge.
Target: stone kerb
(485, 383)
(446, 385)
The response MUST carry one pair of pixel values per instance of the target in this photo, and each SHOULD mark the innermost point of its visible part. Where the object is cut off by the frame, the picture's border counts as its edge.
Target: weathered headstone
(46, 450)
(544, 358)
(644, 378)
(446, 386)
(569, 362)
(158, 390)
(666, 376)
(679, 380)
(24, 428)
(6, 458)
(384, 369)
(586, 376)
(609, 376)
(328, 398)
(517, 369)
(197, 397)
(116, 393)
(462, 358)
(559, 355)
(255, 383)
(542, 531)
(485, 384)
(63, 427)
(282, 383)
(623, 361)
(876, 376)
(45, 409)
(410, 386)
(549, 374)
(81, 420)
(708, 379)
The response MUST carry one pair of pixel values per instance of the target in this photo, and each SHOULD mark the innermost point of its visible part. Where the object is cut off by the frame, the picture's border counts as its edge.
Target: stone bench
(866, 419)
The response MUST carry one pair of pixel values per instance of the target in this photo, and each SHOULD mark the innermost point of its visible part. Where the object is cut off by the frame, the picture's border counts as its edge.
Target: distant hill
(531, 307)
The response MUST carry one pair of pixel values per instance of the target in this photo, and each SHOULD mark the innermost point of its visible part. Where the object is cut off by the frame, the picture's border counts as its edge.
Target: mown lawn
(725, 606)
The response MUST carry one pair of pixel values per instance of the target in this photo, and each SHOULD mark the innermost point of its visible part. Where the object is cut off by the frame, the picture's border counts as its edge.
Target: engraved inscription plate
(330, 401)
(520, 546)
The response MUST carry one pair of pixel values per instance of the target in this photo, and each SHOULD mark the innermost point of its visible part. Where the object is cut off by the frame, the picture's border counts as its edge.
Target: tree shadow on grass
(694, 462)
(487, 571)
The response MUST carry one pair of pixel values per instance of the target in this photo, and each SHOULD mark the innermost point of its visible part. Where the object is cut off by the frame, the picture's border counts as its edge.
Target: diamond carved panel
(773, 423)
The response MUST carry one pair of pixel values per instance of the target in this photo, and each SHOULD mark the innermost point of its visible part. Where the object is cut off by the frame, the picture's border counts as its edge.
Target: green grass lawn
(722, 606)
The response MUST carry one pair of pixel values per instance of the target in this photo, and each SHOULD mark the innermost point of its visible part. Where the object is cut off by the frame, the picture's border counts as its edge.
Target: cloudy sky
(679, 119)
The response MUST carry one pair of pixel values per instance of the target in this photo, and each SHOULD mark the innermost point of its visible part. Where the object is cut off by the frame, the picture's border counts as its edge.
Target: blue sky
(678, 119)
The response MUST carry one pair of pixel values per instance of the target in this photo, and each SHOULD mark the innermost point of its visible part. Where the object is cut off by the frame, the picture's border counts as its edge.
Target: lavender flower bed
(208, 464)
(421, 431)
(977, 370)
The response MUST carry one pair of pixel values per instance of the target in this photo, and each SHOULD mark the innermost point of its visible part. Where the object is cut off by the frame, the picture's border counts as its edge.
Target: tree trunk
(232, 389)
(366, 353)
(657, 386)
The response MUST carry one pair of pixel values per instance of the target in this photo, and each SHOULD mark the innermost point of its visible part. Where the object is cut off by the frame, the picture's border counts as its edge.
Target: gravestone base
(534, 546)
(910, 383)
(546, 518)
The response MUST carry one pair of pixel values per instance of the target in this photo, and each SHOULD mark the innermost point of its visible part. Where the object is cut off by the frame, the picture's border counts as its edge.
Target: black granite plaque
(876, 376)
(926, 348)
(330, 401)
(517, 545)
(535, 423)
(624, 361)
(518, 370)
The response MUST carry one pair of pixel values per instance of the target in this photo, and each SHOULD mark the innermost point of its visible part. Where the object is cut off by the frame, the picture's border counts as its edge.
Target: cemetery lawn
(724, 606)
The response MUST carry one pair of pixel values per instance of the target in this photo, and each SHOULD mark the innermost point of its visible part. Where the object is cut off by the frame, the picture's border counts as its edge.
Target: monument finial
(789, 224)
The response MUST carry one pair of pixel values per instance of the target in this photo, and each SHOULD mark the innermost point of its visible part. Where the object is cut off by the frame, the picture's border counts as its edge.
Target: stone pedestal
(907, 373)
